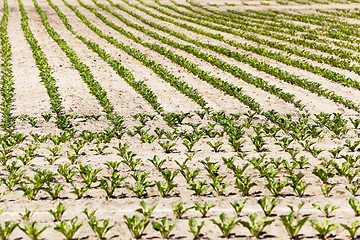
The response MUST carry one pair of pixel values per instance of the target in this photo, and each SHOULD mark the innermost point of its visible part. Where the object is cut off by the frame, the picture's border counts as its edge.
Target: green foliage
(195, 228)
(68, 230)
(31, 229)
(203, 209)
(58, 213)
(324, 228)
(162, 228)
(256, 227)
(179, 209)
(225, 226)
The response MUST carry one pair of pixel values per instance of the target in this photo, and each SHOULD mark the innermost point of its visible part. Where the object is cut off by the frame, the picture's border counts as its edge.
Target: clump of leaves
(162, 228)
(324, 228)
(254, 227)
(179, 209)
(58, 212)
(225, 226)
(68, 230)
(203, 209)
(195, 228)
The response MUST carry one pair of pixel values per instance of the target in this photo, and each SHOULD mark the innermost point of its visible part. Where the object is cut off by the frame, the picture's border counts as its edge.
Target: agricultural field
(125, 119)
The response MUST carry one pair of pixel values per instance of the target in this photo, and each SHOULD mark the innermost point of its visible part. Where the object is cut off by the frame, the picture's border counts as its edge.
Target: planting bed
(234, 119)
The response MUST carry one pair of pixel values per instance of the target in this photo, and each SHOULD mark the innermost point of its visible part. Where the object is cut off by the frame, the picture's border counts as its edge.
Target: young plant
(67, 171)
(353, 188)
(88, 175)
(275, 187)
(327, 210)
(58, 213)
(258, 142)
(157, 162)
(27, 215)
(144, 211)
(179, 210)
(203, 209)
(99, 149)
(351, 229)
(291, 227)
(326, 189)
(8, 228)
(198, 187)
(216, 146)
(31, 229)
(54, 190)
(140, 185)
(224, 226)
(238, 206)
(244, 184)
(110, 183)
(256, 228)
(324, 228)
(79, 192)
(162, 228)
(99, 230)
(195, 228)
(68, 230)
(355, 205)
(167, 146)
(136, 226)
(266, 205)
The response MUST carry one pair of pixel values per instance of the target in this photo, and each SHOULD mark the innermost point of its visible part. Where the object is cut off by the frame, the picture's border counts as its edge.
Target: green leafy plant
(355, 205)
(254, 227)
(68, 230)
(293, 228)
(244, 183)
(203, 209)
(225, 226)
(179, 209)
(238, 206)
(144, 211)
(141, 185)
(324, 228)
(266, 205)
(31, 229)
(136, 225)
(110, 183)
(100, 230)
(58, 213)
(216, 146)
(195, 228)
(351, 229)
(326, 210)
(162, 228)
(167, 146)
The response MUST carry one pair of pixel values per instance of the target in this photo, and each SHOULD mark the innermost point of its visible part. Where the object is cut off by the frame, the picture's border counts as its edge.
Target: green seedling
(302, 161)
(110, 183)
(351, 146)
(179, 210)
(244, 184)
(89, 214)
(77, 146)
(297, 211)
(189, 145)
(284, 142)
(266, 205)
(99, 149)
(277, 161)
(167, 146)
(79, 192)
(136, 226)
(189, 175)
(217, 184)
(353, 188)
(30, 150)
(113, 165)
(327, 210)
(275, 187)
(291, 227)
(8, 228)
(67, 171)
(99, 230)
(224, 226)
(351, 159)
(198, 187)
(355, 205)
(315, 152)
(162, 228)
(58, 213)
(140, 185)
(12, 179)
(256, 228)
(32, 231)
(195, 228)
(51, 160)
(216, 147)
(236, 144)
(324, 228)
(336, 152)
(32, 121)
(324, 175)
(326, 189)
(298, 186)
(144, 211)
(352, 229)
(46, 116)
(54, 190)
(159, 132)
(258, 142)
(27, 215)
(68, 230)
(293, 152)
(210, 167)
(72, 157)
(88, 175)
(55, 150)
(26, 159)
(238, 206)
(203, 209)
(157, 162)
